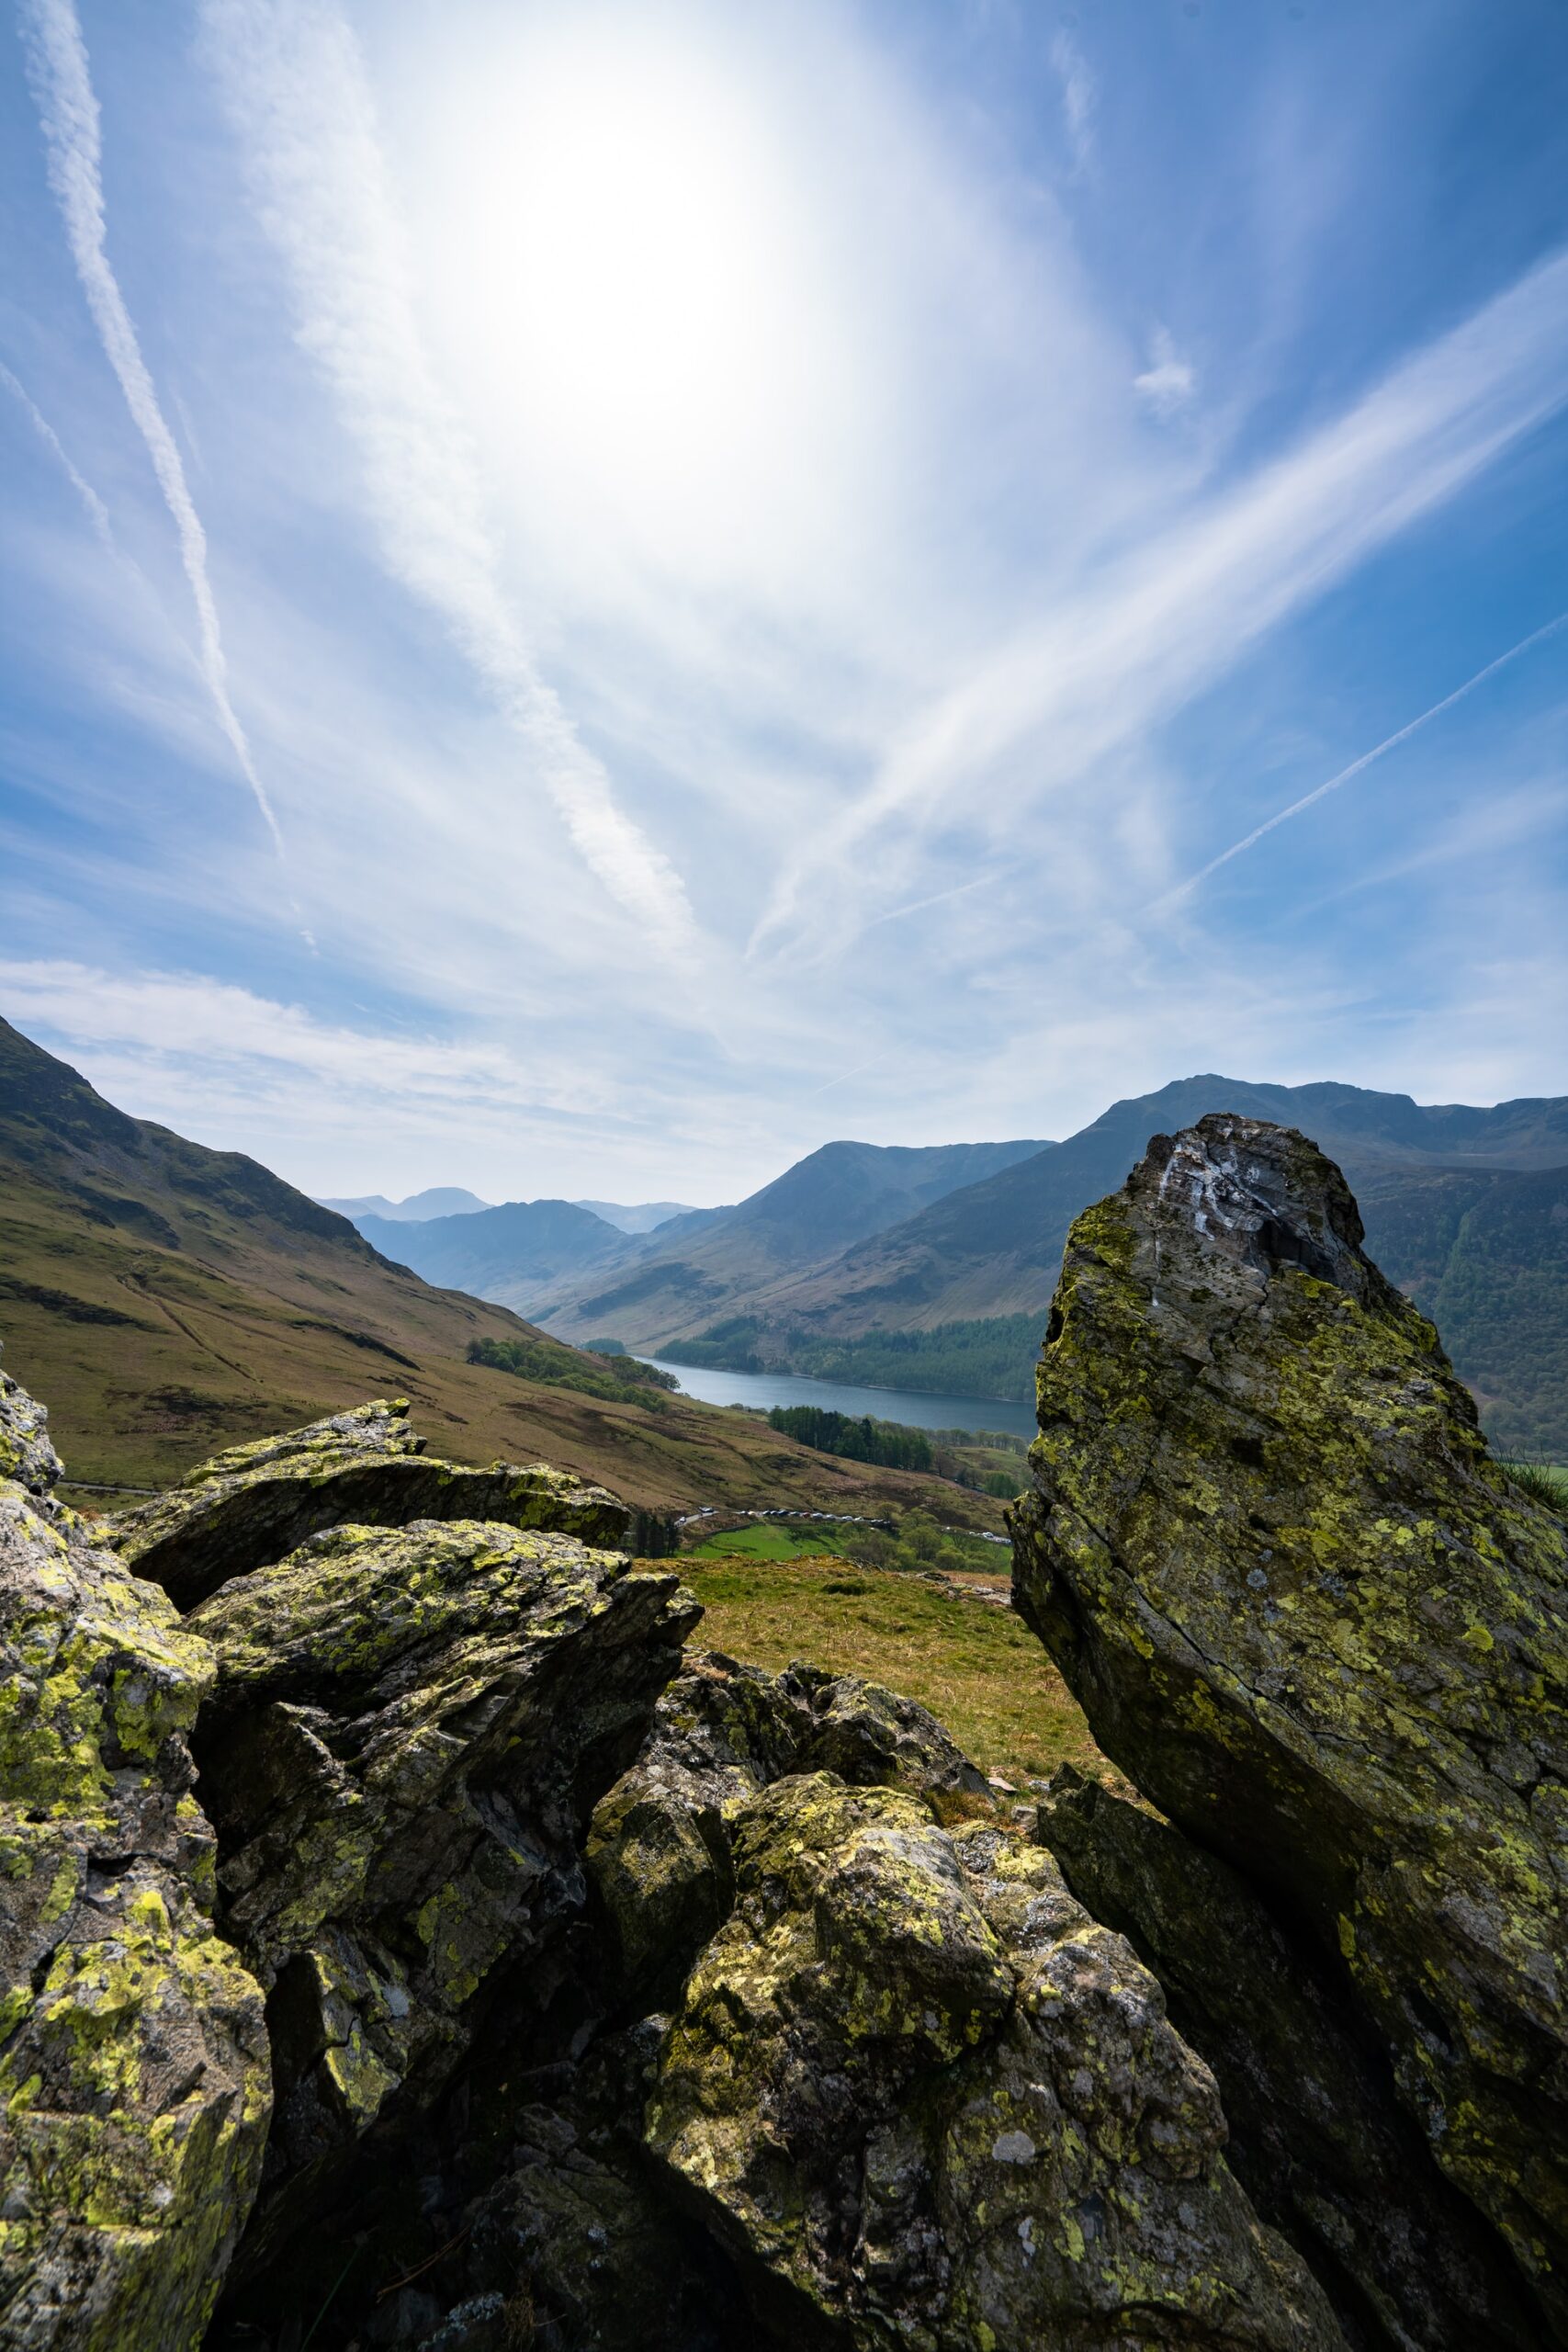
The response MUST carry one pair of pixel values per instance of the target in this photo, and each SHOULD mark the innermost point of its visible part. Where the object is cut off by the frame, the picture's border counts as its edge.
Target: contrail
(68, 113)
(1389, 743)
(295, 83)
(97, 512)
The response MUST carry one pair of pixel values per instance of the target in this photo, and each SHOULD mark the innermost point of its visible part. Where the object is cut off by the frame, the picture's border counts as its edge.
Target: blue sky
(598, 593)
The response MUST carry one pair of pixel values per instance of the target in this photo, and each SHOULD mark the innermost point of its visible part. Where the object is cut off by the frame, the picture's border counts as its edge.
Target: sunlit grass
(977, 1668)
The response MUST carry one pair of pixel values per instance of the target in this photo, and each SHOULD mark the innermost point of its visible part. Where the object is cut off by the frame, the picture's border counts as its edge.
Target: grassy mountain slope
(684, 1273)
(165, 1300)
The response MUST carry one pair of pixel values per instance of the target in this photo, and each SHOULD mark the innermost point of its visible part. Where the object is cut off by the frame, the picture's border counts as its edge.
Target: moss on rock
(408, 1730)
(248, 1506)
(1306, 1612)
(925, 2101)
(134, 2087)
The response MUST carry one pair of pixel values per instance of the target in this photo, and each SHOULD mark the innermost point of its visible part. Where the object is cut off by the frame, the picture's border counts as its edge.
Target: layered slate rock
(366, 1468)
(658, 1850)
(408, 1732)
(134, 2065)
(923, 2099)
(1321, 1631)
(1318, 2138)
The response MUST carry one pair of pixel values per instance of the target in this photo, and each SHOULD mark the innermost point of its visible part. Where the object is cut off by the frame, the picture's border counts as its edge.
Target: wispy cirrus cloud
(68, 115)
(295, 88)
(1092, 674)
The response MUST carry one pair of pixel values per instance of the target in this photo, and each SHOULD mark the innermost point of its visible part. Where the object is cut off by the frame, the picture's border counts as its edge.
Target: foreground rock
(366, 1468)
(922, 2099)
(408, 1730)
(1312, 1620)
(133, 2062)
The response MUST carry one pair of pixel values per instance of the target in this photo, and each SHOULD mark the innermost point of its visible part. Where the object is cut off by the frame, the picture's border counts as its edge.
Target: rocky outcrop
(922, 2099)
(1324, 1634)
(408, 1730)
(367, 1468)
(658, 1848)
(1317, 2133)
(134, 2085)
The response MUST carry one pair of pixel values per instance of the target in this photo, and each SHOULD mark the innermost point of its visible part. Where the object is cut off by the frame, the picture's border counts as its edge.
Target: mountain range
(452, 1200)
(169, 1300)
(529, 1253)
(1466, 1208)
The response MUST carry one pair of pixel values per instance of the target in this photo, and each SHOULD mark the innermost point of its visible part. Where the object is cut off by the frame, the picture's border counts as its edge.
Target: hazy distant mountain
(688, 1271)
(641, 1216)
(508, 1253)
(440, 1200)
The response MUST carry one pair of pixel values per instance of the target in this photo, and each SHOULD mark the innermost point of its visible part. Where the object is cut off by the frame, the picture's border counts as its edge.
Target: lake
(917, 1409)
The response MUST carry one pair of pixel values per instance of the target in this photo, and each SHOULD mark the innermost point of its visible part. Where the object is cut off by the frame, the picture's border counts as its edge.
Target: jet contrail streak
(68, 113)
(97, 512)
(1389, 743)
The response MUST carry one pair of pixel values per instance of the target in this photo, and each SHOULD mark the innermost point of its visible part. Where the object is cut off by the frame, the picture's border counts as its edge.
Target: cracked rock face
(1321, 1630)
(134, 2087)
(658, 1848)
(922, 2099)
(408, 1730)
(246, 1507)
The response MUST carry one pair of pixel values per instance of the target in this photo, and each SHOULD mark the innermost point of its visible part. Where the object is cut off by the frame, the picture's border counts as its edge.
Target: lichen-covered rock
(1310, 1619)
(1317, 2136)
(924, 2101)
(251, 1505)
(26, 1451)
(133, 2066)
(408, 1732)
(658, 1850)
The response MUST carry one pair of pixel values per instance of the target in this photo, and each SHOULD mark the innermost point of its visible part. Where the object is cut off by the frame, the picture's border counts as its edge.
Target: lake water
(917, 1409)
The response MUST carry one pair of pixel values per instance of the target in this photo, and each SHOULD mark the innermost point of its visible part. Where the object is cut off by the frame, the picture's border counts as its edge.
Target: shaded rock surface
(923, 2099)
(408, 1731)
(248, 1506)
(658, 1850)
(1318, 2138)
(1306, 1614)
(134, 2083)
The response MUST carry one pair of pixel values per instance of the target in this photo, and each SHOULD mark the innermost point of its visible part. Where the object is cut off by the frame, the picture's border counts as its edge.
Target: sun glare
(639, 311)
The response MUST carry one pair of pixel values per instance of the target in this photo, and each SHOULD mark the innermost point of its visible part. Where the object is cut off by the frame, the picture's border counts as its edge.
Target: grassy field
(979, 1670)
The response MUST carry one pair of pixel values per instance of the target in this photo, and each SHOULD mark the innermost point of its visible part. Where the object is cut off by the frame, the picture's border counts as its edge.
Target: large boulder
(658, 1850)
(134, 2087)
(1321, 1631)
(366, 1468)
(1317, 2133)
(408, 1732)
(923, 2100)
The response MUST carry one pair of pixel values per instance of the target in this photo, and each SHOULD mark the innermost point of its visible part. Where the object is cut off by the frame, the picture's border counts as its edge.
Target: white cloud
(295, 87)
(1168, 382)
(1078, 96)
(68, 111)
(1099, 670)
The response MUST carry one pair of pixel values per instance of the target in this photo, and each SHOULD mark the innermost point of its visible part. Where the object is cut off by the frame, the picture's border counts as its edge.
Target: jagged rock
(1310, 1619)
(408, 1731)
(26, 1451)
(1317, 2133)
(133, 2063)
(923, 2100)
(658, 1850)
(251, 1505)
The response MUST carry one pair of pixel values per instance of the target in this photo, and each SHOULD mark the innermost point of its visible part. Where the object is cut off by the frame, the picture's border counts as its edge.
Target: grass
(767, 1541)
(979, 1669)
(1544, 1482)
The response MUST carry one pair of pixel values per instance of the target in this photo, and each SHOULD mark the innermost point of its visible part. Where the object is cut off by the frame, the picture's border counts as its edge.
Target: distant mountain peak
(437, 1200)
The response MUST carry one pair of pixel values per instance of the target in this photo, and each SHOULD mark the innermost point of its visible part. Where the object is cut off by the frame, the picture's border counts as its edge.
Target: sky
(600, 592)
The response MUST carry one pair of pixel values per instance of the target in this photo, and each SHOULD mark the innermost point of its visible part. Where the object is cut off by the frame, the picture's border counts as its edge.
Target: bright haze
(601, 593)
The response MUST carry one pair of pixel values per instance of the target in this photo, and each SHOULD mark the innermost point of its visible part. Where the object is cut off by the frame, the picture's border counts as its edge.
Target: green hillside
(164, 1301)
